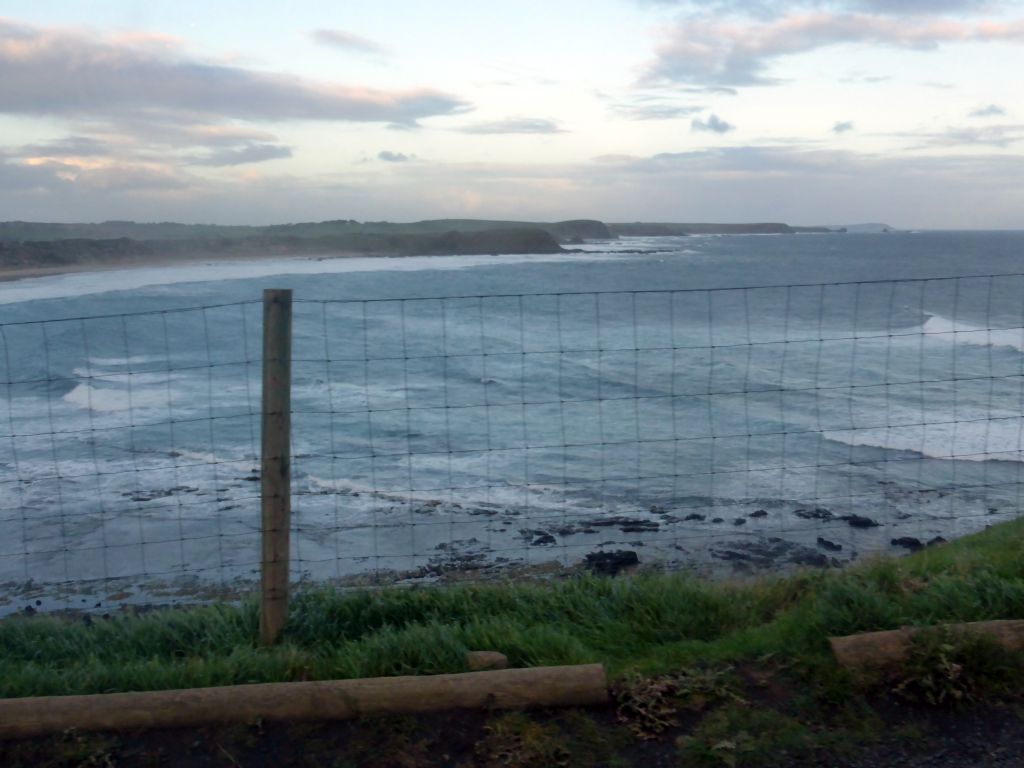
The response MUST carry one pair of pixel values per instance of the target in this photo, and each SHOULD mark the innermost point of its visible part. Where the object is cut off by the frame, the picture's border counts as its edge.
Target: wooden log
(481, 660)
(275, 471)
(324, 700)
(877, 650)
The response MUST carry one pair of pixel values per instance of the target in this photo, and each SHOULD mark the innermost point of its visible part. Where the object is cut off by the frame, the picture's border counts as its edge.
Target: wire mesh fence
(724, 430)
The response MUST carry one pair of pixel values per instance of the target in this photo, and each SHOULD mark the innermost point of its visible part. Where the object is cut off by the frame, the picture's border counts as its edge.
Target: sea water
(708, 402)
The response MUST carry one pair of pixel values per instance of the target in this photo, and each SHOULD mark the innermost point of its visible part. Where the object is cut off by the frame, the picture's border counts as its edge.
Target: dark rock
(537, 537)
(811, 558)
(732, 555)
(830, 546)
(758, 513)
(937, 540)
(818, 513)
(769, 554)
(611, 563)
(625, 524)
(717, 520)
(740, 521)
(150, 495)
(908, 542)
(695, 516)
(857, 521)
(640, 528)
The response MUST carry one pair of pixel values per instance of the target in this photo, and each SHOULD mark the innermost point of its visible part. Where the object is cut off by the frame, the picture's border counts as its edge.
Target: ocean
(729, 404)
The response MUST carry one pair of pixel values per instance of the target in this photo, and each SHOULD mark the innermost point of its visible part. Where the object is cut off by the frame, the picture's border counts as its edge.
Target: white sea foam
(104, 400)
(119, 362)
(939, 327)
(135, 379)
(1001, 438)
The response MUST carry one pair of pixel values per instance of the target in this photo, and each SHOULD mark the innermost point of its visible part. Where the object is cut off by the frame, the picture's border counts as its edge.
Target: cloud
(992, 110)
(714, 124)
(767, 9)
(339, 38)
(73, 72)
(654, 109)
(514, 125)
(22, 178)
(712, 50)
(250, 153)
(860, 77)
(54, 175)
(987, 136)
(801, 185)
(843, 127)
(394, 157)
(925, 7)
(70, 146)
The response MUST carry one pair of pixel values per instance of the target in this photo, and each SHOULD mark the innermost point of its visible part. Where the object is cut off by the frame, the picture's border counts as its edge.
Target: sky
(909, 112)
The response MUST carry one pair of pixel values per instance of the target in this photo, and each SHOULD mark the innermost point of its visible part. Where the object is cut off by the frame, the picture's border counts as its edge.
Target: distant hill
(35, 254)
(24, 231)
(655, 229)
(52, 246)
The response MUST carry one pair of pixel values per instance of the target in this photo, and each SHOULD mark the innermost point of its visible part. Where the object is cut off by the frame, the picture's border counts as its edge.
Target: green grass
(651, 624)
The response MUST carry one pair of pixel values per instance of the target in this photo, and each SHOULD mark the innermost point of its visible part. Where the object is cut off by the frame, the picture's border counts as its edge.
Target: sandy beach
(11, 274)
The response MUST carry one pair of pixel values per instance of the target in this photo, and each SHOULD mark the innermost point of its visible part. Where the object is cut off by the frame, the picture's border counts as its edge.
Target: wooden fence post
(275, 471)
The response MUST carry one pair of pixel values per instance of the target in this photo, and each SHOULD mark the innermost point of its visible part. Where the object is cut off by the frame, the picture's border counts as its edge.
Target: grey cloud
(713, 124)
(70, 146)
(394, 157)
(988, 136)
(843, 127)
(992, 110)
(131, 178)
(900, 7)
(143, 76)
(514, 125)
(56, 175)
(250, 153)
(21, 177)
(339, 38)
(172, 132)
(710, 50)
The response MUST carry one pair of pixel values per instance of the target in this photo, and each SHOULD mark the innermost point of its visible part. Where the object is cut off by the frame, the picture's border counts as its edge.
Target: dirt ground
(763, 722)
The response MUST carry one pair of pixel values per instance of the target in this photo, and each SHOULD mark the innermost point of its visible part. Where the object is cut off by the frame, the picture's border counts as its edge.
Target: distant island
(34, 248)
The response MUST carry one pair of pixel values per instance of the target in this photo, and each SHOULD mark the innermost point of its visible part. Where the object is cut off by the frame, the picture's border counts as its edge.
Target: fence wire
(127, 450)
(725, 430)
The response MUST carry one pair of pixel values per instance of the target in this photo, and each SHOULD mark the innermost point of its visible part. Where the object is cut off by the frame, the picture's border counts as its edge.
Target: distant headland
(34, 248)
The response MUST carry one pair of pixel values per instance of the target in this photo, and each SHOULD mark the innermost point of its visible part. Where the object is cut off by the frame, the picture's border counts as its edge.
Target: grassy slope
(653, 623)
